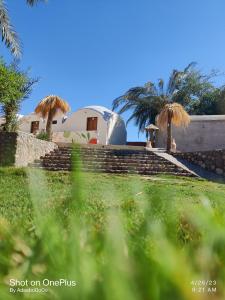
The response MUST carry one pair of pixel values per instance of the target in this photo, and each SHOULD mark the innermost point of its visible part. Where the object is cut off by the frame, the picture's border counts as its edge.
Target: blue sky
(91, 51)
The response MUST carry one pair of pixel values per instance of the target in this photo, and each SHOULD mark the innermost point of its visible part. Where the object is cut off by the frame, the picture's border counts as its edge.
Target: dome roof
(105, 112)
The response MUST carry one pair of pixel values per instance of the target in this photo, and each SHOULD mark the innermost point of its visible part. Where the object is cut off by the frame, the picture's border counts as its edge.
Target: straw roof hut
(49, 107)
(173, 113)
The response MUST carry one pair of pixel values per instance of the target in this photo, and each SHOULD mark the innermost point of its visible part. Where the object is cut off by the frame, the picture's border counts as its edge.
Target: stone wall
(213, 161)
(19, 149)
(7, 148)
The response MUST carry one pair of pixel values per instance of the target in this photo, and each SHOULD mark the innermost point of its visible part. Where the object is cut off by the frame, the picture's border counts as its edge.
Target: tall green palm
(9, 35)
(147, 101)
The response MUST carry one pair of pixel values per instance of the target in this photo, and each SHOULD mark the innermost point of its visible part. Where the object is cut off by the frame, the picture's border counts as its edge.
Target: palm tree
(49, 107)
(8, 33)
(172, 113)
(147, 101)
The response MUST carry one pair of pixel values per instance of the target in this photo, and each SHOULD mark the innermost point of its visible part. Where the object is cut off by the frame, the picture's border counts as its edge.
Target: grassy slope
(187, 243)
(99, 192)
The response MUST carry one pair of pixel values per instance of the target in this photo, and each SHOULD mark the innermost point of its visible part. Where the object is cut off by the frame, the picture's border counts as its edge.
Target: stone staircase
(109, 160)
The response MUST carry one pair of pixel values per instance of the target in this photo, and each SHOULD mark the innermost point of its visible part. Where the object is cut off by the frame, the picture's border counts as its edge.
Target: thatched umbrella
(49, 107)
(150, 129)
(175, 114)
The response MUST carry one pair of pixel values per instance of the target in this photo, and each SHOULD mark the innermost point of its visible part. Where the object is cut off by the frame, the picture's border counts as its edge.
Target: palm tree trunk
(169, 131)
(10, 111)
(49, 125)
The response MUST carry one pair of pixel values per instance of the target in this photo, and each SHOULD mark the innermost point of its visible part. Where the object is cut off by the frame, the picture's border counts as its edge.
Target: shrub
(15, 86)
(42, 136)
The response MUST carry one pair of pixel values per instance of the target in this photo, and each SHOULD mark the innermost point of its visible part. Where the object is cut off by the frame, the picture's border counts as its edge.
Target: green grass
(119, 237)
(15, 199)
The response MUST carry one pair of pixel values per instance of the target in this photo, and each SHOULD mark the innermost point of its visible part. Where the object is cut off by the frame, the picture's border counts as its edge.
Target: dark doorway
(92, 123)
(34, 127)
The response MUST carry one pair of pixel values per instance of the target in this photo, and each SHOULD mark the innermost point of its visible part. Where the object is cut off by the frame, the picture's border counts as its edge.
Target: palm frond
(177, 78)
(147, 101)
(150, 89)
(52, 103)
(173, 82)
(161, 86)
(146, 111)
(190, 66)
(180, 117)
(27, 89)
(128, 100)
(136, 92)
(141, 116)
(132, 96)
(125, 104)
(33, 2)
(9, 36)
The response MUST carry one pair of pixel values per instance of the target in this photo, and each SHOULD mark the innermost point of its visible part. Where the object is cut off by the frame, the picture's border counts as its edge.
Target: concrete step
(102, 149)
(109, 161)
(138, 168)
(101, 155)
(125, 168)
(108, 152)
(150, 172)
(114, 166)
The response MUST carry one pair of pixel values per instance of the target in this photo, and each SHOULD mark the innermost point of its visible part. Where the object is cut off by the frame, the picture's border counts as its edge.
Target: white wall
(204, 133)
(78, 122)
(112, 131)
(25, 123)
(117, 134)
(79, 137)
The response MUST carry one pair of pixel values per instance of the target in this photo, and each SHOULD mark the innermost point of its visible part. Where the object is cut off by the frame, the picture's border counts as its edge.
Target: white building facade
(91, 124)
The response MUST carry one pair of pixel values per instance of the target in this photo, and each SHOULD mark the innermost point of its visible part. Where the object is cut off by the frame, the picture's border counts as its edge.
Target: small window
(92, 123)
(54, 122)
(34, 127)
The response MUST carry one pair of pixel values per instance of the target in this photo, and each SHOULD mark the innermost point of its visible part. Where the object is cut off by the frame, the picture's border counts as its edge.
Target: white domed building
(91, 124)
